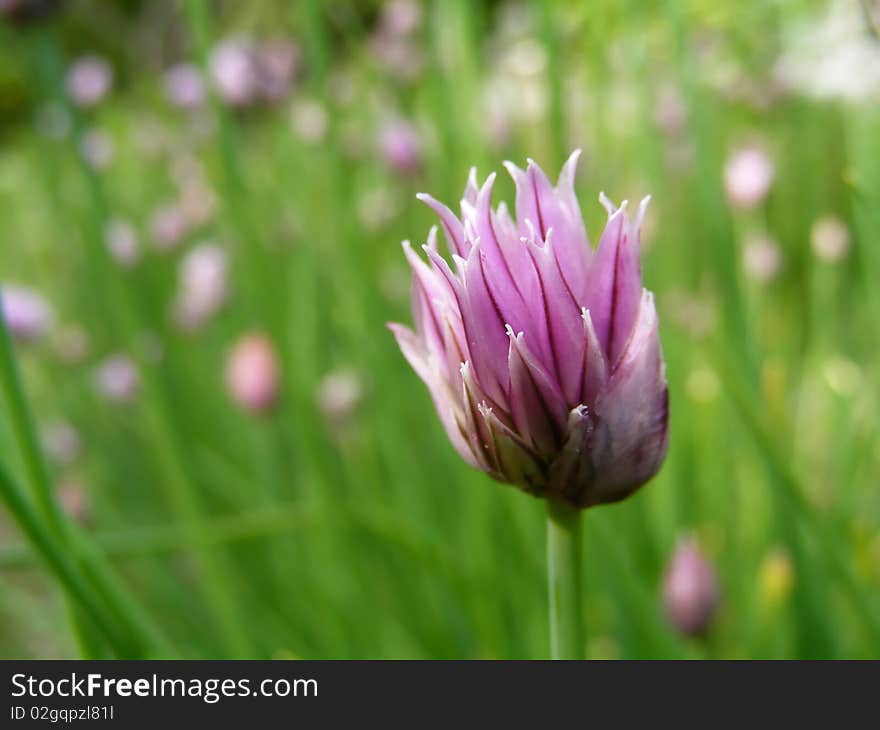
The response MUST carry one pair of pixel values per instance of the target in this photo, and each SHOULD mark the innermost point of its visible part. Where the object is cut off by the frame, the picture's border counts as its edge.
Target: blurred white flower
(309, 119)
(832, 57)
(96, 147)
(89, 80)
(339, 394)
(830, 238)
(748, 175)
(26, 313)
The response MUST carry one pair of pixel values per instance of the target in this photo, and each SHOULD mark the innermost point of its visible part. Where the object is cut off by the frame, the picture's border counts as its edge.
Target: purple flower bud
(253, 373)
(690, 590)
(542, 355)
(89, 80)
(26, 313)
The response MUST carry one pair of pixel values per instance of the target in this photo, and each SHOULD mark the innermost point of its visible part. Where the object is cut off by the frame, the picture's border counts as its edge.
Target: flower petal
(614, 283)
(536, 402)
(632, 413)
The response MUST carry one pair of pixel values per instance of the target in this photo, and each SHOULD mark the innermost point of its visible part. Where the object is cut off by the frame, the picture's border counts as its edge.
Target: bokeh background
(223, 454)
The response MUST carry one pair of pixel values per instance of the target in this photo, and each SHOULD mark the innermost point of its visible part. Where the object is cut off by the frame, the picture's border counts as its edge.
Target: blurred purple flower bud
(235, 73)
(122, 243)
(203, 285)
(400, 17)
(185, 86)
(400, 147)
(690, 590)
(748, 175)
(27, 315)
(23, 12)
(89, 80)
(277, 63)
(168, 226)
(830, 239)
(117, 379)
(542, 355)
(252, 373)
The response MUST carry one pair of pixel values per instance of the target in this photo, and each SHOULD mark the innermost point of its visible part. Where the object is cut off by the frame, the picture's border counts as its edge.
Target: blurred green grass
(294, 535)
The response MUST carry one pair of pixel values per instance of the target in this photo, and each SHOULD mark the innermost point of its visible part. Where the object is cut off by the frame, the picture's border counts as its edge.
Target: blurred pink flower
(542, 355)
(61, 442)
(203, 285)
(762, 258)
(748, 175)
(122, 242)
(117, 379)
(234, 72)
(89, 80)
(399, 144)
(74, 500)
(252, 373)
(25, 311)
(690, 590)
(185, 86)
(168, 226)
(96, 147)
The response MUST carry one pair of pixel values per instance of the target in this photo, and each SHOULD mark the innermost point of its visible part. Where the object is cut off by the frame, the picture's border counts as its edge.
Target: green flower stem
(58, 536)
(564, 570)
